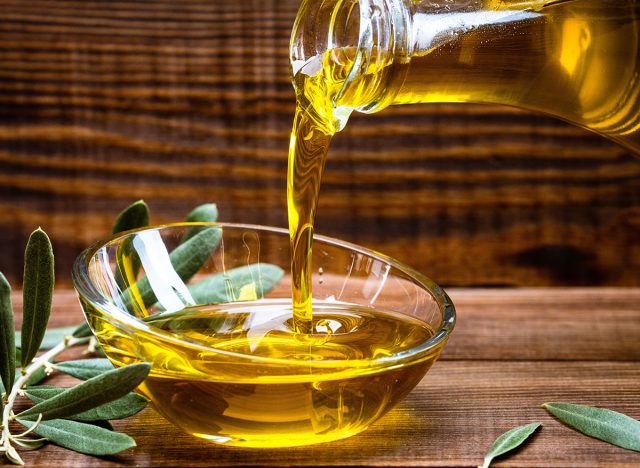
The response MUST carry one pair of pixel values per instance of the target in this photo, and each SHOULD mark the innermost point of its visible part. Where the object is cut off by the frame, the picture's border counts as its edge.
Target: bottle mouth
(355, 39)
(321, 26)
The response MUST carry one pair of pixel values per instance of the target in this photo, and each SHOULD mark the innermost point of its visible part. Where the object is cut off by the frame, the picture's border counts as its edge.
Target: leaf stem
(41, 361)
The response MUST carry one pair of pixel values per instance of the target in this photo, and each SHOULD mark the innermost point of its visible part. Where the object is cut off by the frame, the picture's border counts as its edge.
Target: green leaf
(90, 394)
(245, 283)
(13, 455)
(51, 338)
(7, 341)
(82, 331)
(509, 440)
(134, 216)
(38, 393)
(121, 408)
(80, 437)
(207, 213)
(37, 292)
(98, 350)
(252, 281)
(84, 369)
(604, 424)
(186, 260)
(38, 376)
(29, 444)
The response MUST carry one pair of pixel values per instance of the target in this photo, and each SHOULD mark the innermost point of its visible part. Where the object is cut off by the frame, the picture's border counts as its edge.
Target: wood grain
(489, 379)
(181, 103)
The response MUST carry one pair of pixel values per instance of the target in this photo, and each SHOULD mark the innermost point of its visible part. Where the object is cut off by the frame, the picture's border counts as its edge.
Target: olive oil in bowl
(240, 372)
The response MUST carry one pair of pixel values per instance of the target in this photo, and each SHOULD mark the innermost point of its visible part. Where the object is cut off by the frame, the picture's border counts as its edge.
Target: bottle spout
(321, 26)
(343, 48)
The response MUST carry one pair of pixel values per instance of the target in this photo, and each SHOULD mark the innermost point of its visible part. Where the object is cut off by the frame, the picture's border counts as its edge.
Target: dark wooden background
(182, 102)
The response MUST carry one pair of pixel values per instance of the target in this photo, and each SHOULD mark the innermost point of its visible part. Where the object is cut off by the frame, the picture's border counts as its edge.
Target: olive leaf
(37, 376)
(13, 455)
(121, 408)
(246, 283)
(82, 331)
(601, 423)
(37, 292)
(509, 440)
(207, 213)
(7, 340)
(203, 213)
(52, 337)
(90, 394)
(30, 444)
(260, 278)
(84, 369)
(81, 437)
(186, 260)
(134, 216)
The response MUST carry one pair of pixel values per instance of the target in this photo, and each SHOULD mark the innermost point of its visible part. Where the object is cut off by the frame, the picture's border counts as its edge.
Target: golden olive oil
(578, 60)
(240, 375)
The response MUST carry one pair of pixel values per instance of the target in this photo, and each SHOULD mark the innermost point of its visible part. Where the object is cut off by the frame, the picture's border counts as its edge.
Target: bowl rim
(85, 291)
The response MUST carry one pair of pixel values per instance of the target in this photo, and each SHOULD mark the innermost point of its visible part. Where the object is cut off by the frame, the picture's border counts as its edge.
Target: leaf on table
(37, 293)
(509, 440)
(245, 283)
(29, 444)
(601, 423)
(84, 369)
(82, 331)
(186, 260)
(13, 456)
(98, 350)
(229, 286)
(37, 376)
(134, 216)
(7, 338)
(90, 394)
(207, 213)
(121, 408)
(127, 264)
(51, 338)
(81, 437)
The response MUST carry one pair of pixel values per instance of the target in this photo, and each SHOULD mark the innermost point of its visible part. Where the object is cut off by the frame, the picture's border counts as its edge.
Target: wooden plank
(186, 102)
(450, 419)
(590, 324)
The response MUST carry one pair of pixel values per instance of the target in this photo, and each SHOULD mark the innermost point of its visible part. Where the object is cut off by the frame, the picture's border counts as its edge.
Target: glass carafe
(577, 60)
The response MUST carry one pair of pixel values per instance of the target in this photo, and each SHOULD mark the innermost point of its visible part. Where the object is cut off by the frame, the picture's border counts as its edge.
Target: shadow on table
(162, 444)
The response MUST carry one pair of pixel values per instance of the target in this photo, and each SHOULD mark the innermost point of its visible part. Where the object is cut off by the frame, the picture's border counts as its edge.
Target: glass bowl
(209, 306)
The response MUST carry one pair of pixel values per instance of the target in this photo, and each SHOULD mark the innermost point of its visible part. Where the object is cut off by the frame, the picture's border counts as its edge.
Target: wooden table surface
(512, 350)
